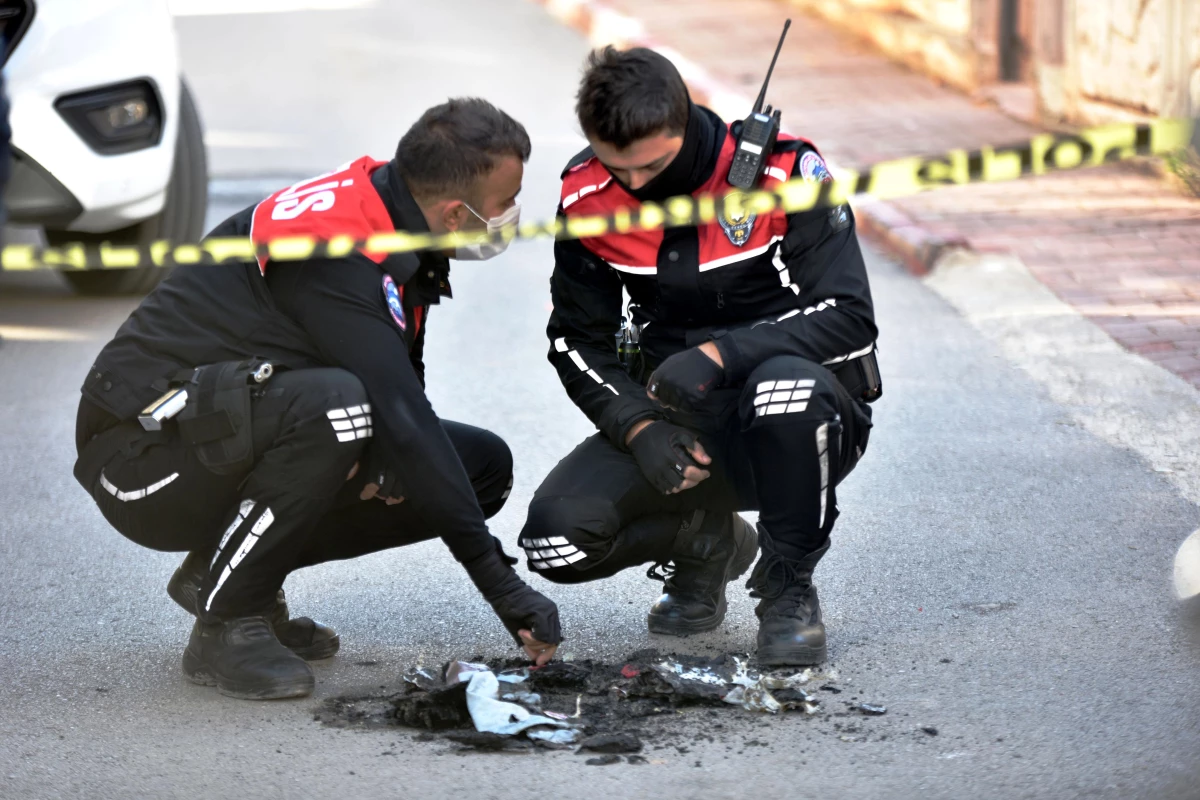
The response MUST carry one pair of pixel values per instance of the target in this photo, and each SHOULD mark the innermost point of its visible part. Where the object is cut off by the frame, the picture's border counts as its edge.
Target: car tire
(181, 219)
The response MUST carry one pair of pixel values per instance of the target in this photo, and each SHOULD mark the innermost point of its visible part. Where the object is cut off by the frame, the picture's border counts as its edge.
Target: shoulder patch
(395, 301)
(812, 168)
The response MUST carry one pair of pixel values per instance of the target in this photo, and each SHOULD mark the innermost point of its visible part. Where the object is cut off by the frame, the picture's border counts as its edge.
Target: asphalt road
(998, 573)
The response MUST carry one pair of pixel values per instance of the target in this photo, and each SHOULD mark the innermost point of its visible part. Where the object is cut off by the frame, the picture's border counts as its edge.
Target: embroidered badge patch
(395, 303)
(812, 168)
(736, 220)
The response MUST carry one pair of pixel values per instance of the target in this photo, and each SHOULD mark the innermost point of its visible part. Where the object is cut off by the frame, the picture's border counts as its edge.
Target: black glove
(661, 450)
(383, 476)
(514, 601)
(685, 379)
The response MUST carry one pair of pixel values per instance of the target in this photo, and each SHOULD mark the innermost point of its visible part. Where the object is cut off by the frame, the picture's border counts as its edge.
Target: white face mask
(485, 250)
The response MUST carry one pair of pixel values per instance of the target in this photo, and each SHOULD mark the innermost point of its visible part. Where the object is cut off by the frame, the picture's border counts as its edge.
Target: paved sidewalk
(1120, 245)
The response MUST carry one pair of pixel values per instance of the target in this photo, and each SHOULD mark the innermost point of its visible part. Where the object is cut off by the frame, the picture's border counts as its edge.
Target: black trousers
(780, 444)
(292, 508)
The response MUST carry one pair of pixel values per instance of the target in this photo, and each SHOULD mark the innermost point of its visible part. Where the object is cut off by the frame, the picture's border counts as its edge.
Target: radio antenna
(762, 96)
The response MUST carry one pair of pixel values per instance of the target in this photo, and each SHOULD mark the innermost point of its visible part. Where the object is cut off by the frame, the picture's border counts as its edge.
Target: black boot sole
(196, 672)
(792, 656)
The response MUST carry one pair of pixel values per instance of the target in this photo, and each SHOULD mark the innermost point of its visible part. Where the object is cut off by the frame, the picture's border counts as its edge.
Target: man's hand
(684, 380)
(539, 652)
(371, 490)
(385, 486)
(671, 457)
(529, 616)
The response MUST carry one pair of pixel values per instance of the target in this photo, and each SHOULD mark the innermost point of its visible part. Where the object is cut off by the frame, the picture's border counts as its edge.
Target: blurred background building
(1075, 61)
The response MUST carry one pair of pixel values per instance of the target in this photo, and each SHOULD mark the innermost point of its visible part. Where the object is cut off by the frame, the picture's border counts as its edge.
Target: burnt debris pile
(600, 709)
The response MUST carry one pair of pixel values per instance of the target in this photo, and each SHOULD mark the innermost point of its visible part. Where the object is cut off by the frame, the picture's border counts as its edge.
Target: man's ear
(454, 214)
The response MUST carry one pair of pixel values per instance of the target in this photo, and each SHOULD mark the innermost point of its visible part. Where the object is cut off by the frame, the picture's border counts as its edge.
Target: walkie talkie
(759, 131)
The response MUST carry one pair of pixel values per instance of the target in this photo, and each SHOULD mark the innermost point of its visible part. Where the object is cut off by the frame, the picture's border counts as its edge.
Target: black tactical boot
(243, 659)
(710, 551)
(306, 638)
(790, 631)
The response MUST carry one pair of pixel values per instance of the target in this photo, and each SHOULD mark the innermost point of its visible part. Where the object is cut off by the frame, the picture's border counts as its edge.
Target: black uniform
(786, 301)
(345, 337)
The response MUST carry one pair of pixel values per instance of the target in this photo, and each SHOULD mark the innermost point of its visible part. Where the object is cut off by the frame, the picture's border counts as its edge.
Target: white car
(107, 142)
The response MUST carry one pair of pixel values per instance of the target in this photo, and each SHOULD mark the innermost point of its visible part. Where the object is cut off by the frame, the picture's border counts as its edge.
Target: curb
(914, 246)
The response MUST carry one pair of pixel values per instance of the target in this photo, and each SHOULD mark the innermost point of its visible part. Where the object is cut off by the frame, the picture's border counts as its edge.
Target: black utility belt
(210, 406)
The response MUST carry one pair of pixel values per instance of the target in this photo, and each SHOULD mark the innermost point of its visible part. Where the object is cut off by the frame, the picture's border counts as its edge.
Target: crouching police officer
(305, 435)
(756, 356)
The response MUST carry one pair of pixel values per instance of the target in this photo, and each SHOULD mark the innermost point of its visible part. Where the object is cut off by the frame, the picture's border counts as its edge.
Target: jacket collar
(431, 280)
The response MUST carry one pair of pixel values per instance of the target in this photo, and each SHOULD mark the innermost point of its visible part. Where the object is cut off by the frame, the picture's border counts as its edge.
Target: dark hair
(629, 95)
(455, 144)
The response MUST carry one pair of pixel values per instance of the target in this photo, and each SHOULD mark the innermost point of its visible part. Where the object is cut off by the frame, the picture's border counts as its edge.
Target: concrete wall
(1124, 59)
(1087, 60)
(938, 37)
(1119, 51)
(952, 15)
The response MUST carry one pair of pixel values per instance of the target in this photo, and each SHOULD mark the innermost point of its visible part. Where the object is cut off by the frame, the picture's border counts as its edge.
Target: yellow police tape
(889, 179)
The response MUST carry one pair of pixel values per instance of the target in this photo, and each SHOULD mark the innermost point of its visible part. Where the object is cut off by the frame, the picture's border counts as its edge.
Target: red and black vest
(689, 279)
(339, 203)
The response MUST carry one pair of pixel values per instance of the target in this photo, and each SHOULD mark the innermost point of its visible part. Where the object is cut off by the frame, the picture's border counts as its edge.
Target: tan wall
(951, 15)
(1190, 79)
(1125, 58)
(1090, 60)
(934, 36)
(1119, 52)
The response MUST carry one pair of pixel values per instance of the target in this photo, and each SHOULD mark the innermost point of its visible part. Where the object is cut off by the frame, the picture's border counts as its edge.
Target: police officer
(337, 453)
(756, 339)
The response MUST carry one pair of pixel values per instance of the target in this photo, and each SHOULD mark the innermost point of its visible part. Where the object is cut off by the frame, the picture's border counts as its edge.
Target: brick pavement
(1118, 243)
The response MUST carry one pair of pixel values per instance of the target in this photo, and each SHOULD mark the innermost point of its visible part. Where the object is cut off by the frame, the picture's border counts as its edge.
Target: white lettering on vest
(302, 197)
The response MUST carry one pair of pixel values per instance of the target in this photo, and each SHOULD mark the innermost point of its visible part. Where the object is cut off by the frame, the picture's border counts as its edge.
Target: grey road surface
(998, 574)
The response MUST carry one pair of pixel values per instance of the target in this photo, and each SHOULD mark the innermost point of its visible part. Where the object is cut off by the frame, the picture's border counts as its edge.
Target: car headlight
(115, 119)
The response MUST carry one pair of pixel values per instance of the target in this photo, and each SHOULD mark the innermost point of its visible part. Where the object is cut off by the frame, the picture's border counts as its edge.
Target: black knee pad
(787, 390)
(793, 434)
(326, 409)
(335, 396)
(564, 536)
(312, 392)
(338, 398)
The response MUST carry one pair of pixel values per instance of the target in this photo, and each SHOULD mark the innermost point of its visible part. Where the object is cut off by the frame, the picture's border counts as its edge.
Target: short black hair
(455, 144)
(627, 95)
